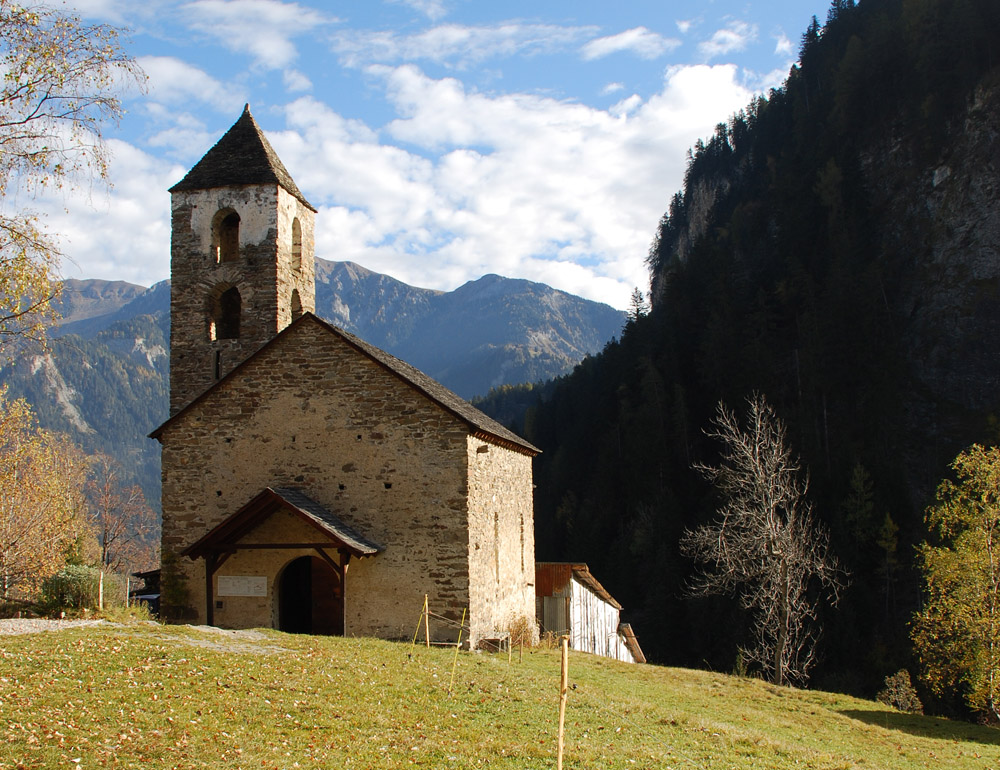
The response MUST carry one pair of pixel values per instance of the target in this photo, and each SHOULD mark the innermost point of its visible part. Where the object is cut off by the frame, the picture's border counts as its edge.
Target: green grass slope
(145, 695)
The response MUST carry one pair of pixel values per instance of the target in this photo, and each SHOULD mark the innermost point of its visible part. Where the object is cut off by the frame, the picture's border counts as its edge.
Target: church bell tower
(241, 258)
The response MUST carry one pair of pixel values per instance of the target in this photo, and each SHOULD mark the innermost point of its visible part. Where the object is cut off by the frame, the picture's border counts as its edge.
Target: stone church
(312, 482)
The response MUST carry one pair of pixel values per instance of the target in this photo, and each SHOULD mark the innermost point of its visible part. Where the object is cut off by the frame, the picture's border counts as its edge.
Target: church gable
(476, 422)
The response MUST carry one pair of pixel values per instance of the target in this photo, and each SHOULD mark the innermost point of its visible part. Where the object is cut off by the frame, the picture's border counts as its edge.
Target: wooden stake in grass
(423, 617)
(458, 646)
(427, 623)
(563, 693)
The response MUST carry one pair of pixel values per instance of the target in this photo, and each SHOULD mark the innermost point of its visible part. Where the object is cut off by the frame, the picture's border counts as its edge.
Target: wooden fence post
(458, 646)
(427, 623)
(563, 692)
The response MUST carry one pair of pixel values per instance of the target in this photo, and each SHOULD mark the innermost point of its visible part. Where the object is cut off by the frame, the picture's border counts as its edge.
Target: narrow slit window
(296, 245)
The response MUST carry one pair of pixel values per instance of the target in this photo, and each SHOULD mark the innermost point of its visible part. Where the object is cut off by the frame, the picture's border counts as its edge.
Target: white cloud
(432, 9)
(684, 25)
(783, 46)
(768, 80)
(612, 88)
(734, 37)
(172, 81)
(455, 44)
(261, 28)
(514, 184)
(296, 81)
(123, 234)
(626, 106)
(639, 40)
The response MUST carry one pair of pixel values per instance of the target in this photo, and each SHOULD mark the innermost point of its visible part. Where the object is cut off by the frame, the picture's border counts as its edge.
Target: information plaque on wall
(242, 585)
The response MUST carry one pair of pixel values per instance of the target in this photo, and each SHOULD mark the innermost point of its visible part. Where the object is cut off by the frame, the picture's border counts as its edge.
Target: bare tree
(765, 544)
(121, 518)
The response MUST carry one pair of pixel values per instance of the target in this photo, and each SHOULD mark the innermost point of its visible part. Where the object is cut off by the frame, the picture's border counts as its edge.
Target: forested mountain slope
(836, 247)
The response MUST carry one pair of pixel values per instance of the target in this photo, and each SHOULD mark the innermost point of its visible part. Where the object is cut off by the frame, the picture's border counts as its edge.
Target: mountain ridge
(103, 380)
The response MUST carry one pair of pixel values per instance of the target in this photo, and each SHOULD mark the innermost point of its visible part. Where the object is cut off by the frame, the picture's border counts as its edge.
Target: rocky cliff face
(932, 241)
(941, 225)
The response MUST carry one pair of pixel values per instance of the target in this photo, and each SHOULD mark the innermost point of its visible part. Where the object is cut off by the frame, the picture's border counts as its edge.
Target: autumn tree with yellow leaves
(957, 633)
(42, 505)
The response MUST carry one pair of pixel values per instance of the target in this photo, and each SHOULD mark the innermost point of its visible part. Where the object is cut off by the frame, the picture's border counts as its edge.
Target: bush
(900, 693)
(523, 631)
(75, 587)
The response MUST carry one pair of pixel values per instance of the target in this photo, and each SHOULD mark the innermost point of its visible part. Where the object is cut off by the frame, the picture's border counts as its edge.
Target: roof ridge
(242, 156)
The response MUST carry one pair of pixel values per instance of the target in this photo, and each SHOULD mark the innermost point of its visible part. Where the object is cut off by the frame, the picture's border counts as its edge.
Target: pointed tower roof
(242, 156)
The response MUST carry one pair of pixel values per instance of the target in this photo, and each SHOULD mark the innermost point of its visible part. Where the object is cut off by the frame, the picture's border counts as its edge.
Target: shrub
(900, 693)
(76, 587)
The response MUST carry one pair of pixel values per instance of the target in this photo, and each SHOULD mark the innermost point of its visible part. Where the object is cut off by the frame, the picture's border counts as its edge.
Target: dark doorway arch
(310, 598)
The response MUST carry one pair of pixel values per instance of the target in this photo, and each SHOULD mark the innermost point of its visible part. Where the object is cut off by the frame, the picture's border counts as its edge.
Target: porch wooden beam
(345, 557)
(211, 565)
(336, 567)
(258, 546)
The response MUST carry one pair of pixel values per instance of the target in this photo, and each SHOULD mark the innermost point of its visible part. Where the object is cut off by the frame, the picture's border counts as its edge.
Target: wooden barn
(570, 600)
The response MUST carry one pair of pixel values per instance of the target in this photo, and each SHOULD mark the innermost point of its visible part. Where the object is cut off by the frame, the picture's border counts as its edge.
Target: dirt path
(10, 626)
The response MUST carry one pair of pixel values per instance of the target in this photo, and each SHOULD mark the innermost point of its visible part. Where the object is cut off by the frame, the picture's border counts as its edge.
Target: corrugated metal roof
(555, 575)
(243, 156)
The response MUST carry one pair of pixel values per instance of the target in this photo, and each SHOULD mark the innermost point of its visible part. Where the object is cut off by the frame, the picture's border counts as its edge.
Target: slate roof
(481, 425)
(226, 535)
(243, 156)
(325, 520)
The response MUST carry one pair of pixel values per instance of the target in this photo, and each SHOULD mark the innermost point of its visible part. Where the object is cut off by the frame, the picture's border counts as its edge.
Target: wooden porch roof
(226, 535)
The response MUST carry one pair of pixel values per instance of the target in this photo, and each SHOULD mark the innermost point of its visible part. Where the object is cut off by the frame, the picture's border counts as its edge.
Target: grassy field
(150, 696)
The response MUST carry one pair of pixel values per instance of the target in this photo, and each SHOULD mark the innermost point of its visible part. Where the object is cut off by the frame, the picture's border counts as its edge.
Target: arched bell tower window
(296, 303)
(226, 236)
(225, 310)
(296, 244)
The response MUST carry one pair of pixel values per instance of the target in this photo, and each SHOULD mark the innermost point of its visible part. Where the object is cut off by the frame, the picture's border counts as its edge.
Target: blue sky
(440, 139)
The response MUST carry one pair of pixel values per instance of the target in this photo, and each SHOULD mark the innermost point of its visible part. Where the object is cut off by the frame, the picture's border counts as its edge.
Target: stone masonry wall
(263, 275)
(501, 538)
(312, 412)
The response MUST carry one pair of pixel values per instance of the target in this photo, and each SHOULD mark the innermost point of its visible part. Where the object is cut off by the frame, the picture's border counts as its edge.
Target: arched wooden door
(310, 598)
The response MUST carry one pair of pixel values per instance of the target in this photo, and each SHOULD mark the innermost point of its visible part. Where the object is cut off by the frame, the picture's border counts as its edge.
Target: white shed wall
(593, 625)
